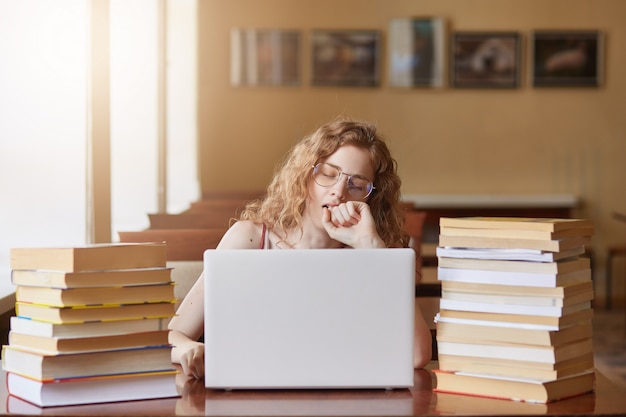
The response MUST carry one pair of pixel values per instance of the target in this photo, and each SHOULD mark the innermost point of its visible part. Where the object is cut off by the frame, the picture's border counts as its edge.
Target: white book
(530, 300)
(560, 267)
(541, 354)
(529, 279)
(507, 324)
(86, 329)
(533, 255)
(526, 310)
(103, 389)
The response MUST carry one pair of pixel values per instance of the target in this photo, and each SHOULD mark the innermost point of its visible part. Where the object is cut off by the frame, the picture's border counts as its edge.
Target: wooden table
(608, 399)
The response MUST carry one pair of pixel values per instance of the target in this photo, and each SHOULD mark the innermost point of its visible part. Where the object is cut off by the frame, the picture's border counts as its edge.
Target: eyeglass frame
(341, 174)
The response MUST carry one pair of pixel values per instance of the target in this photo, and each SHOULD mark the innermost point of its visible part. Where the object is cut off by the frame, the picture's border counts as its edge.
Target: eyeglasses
(327, 175)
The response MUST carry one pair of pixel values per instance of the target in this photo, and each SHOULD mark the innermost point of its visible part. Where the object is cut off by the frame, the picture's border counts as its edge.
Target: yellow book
(95, 296)
(57, 346)
(109, 278)
(82, 314)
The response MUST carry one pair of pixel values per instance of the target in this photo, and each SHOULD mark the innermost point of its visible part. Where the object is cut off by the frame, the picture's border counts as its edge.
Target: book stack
(515, 312)
(90, 324)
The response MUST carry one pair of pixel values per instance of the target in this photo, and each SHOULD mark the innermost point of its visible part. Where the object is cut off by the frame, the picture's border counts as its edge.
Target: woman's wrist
(369, 242)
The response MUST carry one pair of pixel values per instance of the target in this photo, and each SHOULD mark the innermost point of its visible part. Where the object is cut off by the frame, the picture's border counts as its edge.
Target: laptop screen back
(320, 318)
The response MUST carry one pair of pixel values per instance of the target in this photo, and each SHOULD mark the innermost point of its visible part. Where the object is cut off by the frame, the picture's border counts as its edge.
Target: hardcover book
(521, 309)
(514, 233)
(68, 297)
(565, 244)
(44, 367)
(59, 346)
(513, 278)
(519, 320)
(515, 368)
(517, 389)
(87, 329)
(95, 257)
(511, 351)
(517, 223)
(534, 255)
(87, 390)
(473, 333)
(108, 278)
(559, 267)
(577, 293)
(81, 314)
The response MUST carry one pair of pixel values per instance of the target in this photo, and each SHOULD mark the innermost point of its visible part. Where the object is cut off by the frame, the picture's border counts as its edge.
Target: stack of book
(90, 324)
(515, 312)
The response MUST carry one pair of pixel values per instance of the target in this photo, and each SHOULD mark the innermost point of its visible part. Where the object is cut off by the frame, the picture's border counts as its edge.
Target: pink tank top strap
(263, 237)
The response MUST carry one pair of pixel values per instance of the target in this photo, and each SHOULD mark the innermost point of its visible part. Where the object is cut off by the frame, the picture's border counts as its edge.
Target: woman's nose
(341, 188)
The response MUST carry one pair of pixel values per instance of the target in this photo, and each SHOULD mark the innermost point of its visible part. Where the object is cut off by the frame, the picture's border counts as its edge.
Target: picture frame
(485, 59)
(265, 57)
(417, 52)
(567, 58)
(348, 58)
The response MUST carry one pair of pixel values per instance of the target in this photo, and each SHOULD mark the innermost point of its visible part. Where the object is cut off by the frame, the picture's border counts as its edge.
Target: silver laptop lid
(321, 318)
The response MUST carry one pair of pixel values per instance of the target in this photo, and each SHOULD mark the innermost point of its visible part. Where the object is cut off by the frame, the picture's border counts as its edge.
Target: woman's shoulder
(244, 234)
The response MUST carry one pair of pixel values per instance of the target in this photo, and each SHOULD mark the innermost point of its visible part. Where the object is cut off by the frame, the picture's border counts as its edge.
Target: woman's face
(351, 161)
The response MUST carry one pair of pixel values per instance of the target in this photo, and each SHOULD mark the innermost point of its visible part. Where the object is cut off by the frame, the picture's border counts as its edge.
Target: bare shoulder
(242, 235)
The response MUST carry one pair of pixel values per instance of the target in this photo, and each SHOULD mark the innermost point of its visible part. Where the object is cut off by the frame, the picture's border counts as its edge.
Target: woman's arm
(422, 344)
(185, 330)
(188, 324)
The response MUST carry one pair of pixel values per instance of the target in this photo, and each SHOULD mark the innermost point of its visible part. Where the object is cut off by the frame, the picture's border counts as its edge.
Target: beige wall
(525, 140)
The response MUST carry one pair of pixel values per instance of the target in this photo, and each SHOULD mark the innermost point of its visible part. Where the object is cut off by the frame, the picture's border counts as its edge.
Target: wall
(518, 141)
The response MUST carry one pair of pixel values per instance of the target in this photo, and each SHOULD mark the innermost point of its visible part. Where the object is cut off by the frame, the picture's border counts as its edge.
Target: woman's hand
(352, 224)
(192, 361)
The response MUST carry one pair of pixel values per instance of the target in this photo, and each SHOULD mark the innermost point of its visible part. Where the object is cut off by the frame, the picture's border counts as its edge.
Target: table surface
(492, 200)
(195, 399)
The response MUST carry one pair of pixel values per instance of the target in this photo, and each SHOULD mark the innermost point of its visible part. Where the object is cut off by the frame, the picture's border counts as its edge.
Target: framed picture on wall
(416, 52)
(567, 58)
(345, 58)
(485, 60)
(265, 57)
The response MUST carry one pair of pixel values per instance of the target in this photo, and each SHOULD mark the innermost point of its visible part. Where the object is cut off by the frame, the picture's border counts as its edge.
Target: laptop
(318, 318)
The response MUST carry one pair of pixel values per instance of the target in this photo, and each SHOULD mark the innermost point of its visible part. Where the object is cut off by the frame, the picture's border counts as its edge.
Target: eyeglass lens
(327, 175)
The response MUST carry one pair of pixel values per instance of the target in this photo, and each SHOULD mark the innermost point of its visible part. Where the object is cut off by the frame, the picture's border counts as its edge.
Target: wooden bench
(232, 195)
(199, 220)
(612, 252)
(182, 244)
(201, 214)
(233, 207)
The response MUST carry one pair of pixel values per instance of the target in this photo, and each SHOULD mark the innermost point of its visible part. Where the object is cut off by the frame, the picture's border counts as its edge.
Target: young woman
(336, 188)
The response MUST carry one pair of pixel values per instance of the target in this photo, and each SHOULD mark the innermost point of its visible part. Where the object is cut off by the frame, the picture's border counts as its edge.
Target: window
(134, 110)
(42, 124)
(43, 78)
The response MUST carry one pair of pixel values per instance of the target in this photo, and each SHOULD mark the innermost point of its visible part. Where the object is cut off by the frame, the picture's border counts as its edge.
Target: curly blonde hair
(285, 199)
